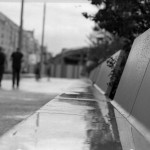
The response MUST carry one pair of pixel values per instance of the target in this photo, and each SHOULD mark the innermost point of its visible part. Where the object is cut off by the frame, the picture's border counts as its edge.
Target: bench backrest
(101, 74)
(132, 97)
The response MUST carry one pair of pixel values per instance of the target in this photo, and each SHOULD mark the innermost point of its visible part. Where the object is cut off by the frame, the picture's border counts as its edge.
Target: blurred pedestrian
(16, 58)
(2, 64)
(37, 71)
(48, 70)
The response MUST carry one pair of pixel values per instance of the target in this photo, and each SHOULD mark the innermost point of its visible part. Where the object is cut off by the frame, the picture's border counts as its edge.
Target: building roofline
(8, 19)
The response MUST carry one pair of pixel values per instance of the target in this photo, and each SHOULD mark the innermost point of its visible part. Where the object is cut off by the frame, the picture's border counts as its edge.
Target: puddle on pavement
(78, 95)
(99, 134)
(79, 102)
(98, 131)
(86, 94)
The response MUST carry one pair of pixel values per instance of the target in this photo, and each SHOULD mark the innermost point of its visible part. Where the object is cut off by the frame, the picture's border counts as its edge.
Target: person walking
(48, 71)
(17, 58)
(2, 64)
(37, 71)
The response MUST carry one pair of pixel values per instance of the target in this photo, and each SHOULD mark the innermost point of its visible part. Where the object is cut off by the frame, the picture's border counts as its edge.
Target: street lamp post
(21, 26)
(42, 40)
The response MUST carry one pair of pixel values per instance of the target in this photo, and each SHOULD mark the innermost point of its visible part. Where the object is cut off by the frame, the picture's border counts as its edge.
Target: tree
(102, 46)
(124, 18)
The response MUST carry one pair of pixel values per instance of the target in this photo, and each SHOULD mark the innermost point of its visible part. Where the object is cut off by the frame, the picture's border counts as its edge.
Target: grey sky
(65, 26)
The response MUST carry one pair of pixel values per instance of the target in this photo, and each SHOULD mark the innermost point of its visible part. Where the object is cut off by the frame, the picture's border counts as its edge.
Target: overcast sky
(65, 26)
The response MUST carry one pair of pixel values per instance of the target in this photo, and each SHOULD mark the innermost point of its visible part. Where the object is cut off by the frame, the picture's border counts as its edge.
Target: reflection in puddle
(99, 135)
(79, 95)
(79, 102)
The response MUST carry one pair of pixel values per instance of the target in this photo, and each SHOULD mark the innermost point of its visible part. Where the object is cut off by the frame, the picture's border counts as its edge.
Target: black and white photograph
(74, 74)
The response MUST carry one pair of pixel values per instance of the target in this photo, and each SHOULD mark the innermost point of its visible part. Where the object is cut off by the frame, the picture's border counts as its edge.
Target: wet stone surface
(99, 135)
(15, 106)
(78, 95)
(74, 120)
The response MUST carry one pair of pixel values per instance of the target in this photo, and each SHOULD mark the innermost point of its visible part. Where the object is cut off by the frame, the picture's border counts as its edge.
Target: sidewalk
(74, 120)
(18, 104)
(23, 75)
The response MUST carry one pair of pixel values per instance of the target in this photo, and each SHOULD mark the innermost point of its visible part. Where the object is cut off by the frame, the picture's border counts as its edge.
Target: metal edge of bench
(132, 121)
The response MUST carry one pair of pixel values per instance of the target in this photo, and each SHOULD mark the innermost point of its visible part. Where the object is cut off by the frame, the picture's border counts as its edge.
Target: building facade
(9, 33)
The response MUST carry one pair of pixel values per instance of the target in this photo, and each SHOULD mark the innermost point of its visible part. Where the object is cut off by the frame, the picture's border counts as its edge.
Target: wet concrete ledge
(74, 120)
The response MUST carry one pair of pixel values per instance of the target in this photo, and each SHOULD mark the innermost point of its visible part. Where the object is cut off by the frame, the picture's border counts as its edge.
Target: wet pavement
(17, 104)
(73, 120)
